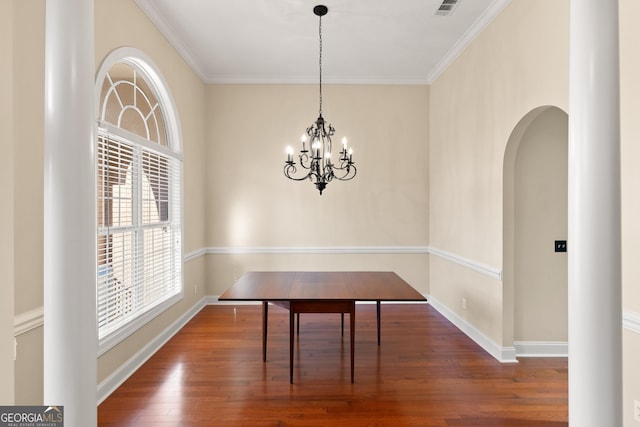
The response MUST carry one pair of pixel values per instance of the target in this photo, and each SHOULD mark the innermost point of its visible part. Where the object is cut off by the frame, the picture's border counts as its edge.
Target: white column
(70, 337)
(595, 306)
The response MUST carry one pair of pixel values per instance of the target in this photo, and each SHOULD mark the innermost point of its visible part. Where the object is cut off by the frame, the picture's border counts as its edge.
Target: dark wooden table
(319, 292)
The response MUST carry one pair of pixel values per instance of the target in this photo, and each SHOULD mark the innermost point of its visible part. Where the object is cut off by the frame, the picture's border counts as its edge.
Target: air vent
(447, 7)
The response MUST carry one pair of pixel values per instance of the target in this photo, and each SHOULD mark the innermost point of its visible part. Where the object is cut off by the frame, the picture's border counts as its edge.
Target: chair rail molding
(28, 321)
(631, 321)
(487, 270)
(316, 250)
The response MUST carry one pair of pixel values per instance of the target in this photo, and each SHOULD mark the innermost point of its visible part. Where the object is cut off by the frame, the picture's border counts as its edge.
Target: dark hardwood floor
(425, 373)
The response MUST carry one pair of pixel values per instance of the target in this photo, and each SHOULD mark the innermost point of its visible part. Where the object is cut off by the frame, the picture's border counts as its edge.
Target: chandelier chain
(320, 62)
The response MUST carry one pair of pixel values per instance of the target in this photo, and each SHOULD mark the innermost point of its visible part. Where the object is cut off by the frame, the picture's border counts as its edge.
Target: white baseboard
(214, 300)
(502, 354)
(541, 349)
(120, 375)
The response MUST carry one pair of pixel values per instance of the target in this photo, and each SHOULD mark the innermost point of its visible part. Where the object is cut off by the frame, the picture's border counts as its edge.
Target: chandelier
(315, 156)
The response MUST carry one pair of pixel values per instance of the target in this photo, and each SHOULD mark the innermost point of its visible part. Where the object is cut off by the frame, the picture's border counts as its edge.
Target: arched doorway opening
(535, 216)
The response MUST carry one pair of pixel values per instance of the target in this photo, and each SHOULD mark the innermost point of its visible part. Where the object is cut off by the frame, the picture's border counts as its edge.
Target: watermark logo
(31, 416)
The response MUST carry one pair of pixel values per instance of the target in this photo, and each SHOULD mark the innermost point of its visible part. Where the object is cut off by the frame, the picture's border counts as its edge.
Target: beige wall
(6, 213)
(514, 66)
(630, 150)
(519, 63)
(118, 23)
(28, 153)
(630, 154)
(631, 384)
(28, 201)
(226, 268)
(121, 23)
(251, 204)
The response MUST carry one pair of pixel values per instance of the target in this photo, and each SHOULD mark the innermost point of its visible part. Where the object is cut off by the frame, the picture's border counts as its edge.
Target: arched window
(139, 173)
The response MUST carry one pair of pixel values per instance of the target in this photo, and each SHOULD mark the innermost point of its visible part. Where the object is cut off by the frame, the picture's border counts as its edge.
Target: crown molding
(345, 80)
(150, 10)
(467, 38)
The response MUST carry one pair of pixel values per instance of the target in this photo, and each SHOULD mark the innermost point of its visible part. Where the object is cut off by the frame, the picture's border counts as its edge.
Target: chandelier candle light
(315, 158)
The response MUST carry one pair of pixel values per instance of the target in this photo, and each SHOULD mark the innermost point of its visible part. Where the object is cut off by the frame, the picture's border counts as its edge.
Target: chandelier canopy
(315, 155)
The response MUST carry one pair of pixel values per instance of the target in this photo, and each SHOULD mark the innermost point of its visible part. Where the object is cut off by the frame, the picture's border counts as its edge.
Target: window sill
(116, 337)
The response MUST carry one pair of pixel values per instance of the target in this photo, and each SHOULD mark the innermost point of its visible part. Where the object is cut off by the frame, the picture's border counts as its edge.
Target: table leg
(265, 314)
(378, 316)
(321, 306)
(352, 318)
(291, 322)
(298, 319)
(342, 322)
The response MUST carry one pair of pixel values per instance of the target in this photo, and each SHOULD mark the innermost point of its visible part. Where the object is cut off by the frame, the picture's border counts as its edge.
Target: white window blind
(139, 229)
(139, 183)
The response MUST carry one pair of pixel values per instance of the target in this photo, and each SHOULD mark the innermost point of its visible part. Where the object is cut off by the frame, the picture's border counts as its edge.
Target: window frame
(152, 77)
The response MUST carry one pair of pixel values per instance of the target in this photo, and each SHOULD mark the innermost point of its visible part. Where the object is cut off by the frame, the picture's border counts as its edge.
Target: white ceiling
(276, 41)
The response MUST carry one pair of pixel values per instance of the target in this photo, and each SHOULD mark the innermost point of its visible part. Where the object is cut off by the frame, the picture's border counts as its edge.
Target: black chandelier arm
(331, 131)
(345, 164)
(290, 170)
(305, 158)
(349, 172)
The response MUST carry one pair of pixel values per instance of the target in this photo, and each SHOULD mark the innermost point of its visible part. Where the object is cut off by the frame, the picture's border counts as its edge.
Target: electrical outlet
(15, 349)
(464, 303)
(636, 410)
(195, 289)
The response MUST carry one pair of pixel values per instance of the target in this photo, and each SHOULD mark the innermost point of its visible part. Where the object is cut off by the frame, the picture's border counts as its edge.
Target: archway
(535, 215)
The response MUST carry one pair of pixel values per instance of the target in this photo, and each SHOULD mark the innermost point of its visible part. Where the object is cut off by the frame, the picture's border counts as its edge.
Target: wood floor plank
(425, 373)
